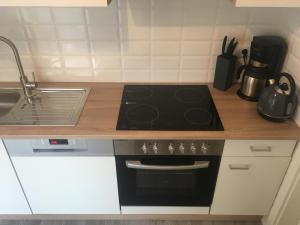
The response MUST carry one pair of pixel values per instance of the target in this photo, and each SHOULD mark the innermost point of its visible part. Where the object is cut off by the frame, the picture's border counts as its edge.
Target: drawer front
(259, 147)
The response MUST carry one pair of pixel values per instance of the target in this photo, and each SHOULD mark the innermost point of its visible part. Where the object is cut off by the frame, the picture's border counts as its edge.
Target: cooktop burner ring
(189, 95)
(142, 113)
(198, 116)
(139, 93)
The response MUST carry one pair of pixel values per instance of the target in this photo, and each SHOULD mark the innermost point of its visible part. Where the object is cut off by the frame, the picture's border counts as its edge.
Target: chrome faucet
(28, 86)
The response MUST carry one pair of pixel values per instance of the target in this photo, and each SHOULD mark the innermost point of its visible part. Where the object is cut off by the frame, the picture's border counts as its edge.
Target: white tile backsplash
(68, 16)
(41, 32)
(162, 48)
(164, 75)
(77, 62)
(136, 62)
(193, 48)
(137, 40)
(107, 62)
(198, 33)
(36, 15)
(108, 76)
(135, 48)
(104, 32)
(74, 47)
(137, 76)
(16, 33)
(105, 48)
(195, 62)
(165, 62)
(71, 32)
(44, 47)
(47, 62)
(22, 47)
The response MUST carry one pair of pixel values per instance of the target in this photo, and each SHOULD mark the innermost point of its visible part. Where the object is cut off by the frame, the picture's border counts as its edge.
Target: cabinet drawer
(259, 147)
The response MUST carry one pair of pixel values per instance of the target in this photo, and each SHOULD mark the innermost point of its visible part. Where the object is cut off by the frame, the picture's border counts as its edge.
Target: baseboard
(133, 217)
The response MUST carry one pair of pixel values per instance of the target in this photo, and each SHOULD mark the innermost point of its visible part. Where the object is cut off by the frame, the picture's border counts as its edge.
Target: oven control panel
(168, 147)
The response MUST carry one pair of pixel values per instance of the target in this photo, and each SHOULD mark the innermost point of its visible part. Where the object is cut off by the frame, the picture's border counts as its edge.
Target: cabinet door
(69, 185)
(12, 199)
(248, 185)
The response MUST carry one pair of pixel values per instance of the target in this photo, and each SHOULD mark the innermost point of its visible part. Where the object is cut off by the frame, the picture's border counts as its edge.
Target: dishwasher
(66, 176)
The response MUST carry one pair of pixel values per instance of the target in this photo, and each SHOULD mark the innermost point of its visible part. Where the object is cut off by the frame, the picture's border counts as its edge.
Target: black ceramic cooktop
(169, 108)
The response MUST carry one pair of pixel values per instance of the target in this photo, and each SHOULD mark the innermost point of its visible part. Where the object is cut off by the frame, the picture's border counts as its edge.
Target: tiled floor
(112, 222)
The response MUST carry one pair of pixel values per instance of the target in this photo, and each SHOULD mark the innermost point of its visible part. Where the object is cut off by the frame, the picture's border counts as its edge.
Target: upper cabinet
(266, 3)
(56, 3)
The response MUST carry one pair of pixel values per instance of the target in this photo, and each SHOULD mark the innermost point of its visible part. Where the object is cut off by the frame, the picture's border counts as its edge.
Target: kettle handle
(240, 70)
(292, 82)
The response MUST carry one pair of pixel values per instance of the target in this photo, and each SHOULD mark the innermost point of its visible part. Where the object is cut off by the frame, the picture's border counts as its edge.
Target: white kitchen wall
(291, 29)
(135, 40)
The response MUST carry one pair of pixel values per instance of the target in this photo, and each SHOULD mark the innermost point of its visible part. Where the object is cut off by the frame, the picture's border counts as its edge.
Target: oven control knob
(181, 148)
(193, 148)
(171, 148)
(204, 148)
(144, 148)
(155, 148)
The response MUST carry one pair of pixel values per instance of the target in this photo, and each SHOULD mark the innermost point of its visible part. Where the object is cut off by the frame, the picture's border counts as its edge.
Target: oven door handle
(139, 166)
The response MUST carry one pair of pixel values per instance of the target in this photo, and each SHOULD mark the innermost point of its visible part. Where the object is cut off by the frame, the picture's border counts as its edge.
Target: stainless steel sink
(50, 106)
(8, 99)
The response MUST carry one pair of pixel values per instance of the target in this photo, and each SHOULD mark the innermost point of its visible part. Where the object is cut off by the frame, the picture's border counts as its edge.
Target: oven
(167, 173)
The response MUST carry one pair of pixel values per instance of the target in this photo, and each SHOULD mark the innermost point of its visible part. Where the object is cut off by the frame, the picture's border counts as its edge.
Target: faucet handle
(33, 76)
(32, 84)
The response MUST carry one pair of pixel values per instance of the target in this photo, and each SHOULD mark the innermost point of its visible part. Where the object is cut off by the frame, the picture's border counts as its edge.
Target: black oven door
(167, 181)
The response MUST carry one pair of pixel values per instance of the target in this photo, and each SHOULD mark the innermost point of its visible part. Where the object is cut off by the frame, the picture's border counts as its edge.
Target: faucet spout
(27, 85)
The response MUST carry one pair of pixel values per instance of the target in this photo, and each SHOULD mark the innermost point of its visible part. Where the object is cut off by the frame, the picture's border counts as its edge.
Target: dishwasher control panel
(60, 143)
(59, 147)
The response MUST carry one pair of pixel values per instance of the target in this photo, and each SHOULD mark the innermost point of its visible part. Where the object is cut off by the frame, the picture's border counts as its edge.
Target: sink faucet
(28, 86)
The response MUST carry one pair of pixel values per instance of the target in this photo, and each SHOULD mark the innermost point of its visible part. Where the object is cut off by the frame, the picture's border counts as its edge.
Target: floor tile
(247, 223)
(223, 223)
(171, 222)
(52, 222)
(9, 222)
(30, 222)
(123, 222)
(141, 222)
(95, 222)
(74, 222)
(201, 223)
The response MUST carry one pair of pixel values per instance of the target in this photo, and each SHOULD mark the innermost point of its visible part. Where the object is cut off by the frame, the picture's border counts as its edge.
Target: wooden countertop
(100, 115)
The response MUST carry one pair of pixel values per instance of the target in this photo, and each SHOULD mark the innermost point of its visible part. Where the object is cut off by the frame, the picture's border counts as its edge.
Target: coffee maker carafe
(267, 54)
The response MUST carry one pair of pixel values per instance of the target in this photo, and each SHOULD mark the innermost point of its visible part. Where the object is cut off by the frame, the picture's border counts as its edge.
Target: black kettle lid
(283, 87)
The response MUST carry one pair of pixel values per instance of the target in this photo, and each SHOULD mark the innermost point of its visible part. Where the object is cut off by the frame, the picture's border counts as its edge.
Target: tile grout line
(27, 39)
(58, 43)
(151, 70)
(121, 38)
(212, 42)
(89, 42)
(179, 72)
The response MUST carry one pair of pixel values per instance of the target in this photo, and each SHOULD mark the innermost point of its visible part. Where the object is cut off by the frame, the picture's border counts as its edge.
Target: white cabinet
(248, 184)
(266, 3)
(56, 3)
(69, 185)
(12, 199)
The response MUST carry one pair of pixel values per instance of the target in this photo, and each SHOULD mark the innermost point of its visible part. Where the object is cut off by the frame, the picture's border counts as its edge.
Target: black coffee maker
(267, 54)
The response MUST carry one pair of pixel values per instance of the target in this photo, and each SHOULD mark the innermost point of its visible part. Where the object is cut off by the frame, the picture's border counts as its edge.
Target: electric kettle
(278, 101)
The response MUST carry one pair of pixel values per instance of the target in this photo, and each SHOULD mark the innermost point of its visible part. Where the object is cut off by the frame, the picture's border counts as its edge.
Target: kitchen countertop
(100, 115)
